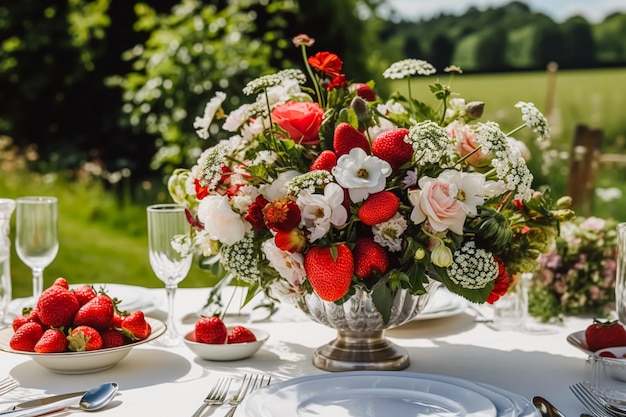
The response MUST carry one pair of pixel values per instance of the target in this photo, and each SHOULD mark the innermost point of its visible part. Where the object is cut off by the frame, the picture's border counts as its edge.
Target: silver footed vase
(360, 343)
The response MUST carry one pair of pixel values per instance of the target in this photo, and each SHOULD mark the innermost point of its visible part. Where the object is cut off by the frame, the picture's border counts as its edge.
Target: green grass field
(103, 241)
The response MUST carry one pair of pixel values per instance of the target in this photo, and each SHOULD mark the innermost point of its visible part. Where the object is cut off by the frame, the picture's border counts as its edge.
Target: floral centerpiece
(324, 187)
(577, 276)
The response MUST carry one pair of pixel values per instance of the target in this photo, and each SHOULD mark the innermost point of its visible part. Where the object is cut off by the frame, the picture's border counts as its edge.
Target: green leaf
(383, 300)
(473, 295)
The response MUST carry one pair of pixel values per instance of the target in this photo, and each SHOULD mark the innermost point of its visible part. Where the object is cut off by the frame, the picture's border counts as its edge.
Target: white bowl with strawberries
(212, 340)
(77, 331)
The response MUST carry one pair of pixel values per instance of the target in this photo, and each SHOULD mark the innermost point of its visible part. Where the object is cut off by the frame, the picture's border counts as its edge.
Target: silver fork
(7, 384)
(250, 384)
(595, 404)
(217, 395)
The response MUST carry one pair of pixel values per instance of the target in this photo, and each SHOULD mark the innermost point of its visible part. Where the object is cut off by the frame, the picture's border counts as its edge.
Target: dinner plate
(367, 394)
(523, 407)
(443, 304)
(579, 341)
(132, 297)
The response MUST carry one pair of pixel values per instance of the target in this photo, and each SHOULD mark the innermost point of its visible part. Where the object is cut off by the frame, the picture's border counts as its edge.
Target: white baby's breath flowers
(202, 124)
(262, 83)
(431, 144)
(472, 267)
(407, 68)
(389, 234)
(534, 119)
(240, 261)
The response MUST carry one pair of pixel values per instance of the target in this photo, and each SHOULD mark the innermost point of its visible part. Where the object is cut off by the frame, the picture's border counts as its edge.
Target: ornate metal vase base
(360, 342)
(360, 350)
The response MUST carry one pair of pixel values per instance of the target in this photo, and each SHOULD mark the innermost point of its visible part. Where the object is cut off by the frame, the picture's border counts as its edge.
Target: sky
(559, 10)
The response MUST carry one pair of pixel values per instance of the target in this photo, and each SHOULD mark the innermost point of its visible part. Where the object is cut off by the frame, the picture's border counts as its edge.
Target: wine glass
(36, 239)
(170, 256)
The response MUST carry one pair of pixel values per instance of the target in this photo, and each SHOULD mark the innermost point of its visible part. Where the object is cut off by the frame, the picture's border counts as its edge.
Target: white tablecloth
(156, 381)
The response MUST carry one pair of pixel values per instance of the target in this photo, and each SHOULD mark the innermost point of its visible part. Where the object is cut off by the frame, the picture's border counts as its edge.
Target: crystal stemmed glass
(36, 239)
(170, 256)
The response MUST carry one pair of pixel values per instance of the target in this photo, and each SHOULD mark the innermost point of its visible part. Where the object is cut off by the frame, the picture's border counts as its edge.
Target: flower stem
(514, 131)
(408, 81)
(311, 75)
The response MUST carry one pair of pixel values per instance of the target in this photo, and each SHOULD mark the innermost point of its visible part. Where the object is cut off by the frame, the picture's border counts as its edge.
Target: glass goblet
(36, 238)
(170, 257)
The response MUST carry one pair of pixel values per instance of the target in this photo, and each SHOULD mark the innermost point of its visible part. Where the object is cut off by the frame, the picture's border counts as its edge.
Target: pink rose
(466, 143)
(301, 120)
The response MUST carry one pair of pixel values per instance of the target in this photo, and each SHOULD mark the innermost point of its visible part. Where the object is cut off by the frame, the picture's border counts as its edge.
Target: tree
(578, 44)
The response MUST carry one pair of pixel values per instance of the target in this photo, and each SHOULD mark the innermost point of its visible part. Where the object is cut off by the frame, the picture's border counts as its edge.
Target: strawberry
(240, 334)
(97, 313)
(378, 208)
(325, 161)
(347, 138)
(135, 327)
(112, 338)
(57, 306)
(61, 282)
(605, 334)
(607, 354)
(329, 274)
(28, 315)
(84, 338)
(116, 322)
(84, 293)
(26, 337)
(365, 92)
(369, 257)
(391, 147)
(211, 330)
(52, 341)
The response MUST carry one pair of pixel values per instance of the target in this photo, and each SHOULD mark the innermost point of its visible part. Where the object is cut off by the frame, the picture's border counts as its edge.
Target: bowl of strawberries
(212, 340)
(78, 330)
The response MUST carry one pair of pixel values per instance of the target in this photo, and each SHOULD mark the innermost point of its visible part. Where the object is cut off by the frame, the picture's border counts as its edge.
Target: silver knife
(45, 400)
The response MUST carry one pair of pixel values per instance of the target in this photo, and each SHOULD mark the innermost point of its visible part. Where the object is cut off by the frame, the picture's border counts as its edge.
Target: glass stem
(170, 291)
(37, 282)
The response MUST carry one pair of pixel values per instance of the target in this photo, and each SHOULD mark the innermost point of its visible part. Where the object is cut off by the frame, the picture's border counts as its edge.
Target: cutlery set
(218, 394)
(7, 384)
(596, 405)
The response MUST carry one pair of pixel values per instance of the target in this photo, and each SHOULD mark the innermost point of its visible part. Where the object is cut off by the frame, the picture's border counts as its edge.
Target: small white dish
(226, 352)
(82, 362)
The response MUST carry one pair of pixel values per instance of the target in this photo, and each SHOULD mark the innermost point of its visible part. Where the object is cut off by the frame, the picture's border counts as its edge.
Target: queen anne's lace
(309, 182)
(431, 144)
(407, 68)
(534, 119)
(272, 80)
(472, 267)
(240, 260)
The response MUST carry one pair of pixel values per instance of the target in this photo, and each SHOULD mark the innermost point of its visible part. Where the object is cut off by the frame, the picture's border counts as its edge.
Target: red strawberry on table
(240, 334)
(391, 147)
(84, 338)
(28, 315)
(347, 138)
(26, 337)
(112, 338)
(605, 334)
(61, 282)
(52, 341)
(211, 330)
(378, 208)
(329, 270)
(135, 326)
(97, 313)
(325, 161)
(57, 306)
(369, 257)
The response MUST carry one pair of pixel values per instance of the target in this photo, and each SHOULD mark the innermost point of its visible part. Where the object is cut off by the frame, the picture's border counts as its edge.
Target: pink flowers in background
(578, 275)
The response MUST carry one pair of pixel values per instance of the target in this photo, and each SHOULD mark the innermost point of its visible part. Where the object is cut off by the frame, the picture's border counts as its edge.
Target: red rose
(301, 120)
(255, 213)
(501, 286)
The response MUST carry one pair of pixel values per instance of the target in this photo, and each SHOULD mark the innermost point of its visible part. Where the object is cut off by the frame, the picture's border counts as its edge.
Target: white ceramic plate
(82, 362)
(367, 394)
(523, 407)
(443, 304)
(579, 341)
(233, 352)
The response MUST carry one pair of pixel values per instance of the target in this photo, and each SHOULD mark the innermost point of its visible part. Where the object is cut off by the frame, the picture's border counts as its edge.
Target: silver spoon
(94, 399)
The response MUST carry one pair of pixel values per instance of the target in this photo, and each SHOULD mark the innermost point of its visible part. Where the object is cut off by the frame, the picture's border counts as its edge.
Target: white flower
(220, 221)
(201, 124)
(236, 118)
(447, 200)
(289, 266)
(361, 174)
(456, 106)
(244, 197)
(319, 212)
(534, 119)
(388, 234)
(408, 67)
(472, 267)
(278, 188)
